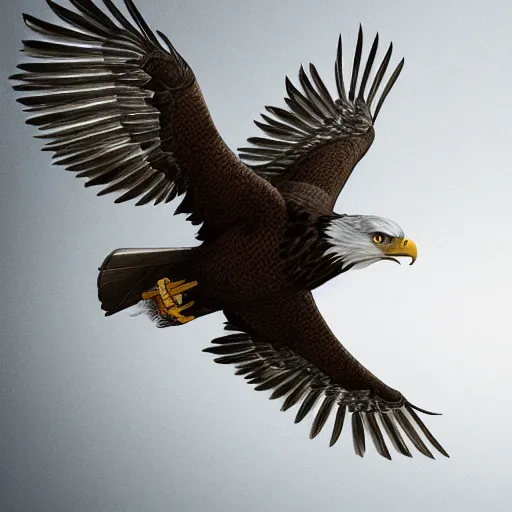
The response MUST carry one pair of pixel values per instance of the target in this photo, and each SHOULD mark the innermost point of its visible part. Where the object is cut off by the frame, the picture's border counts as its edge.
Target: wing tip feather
(315, 107)
(288, 381)
(103, 26)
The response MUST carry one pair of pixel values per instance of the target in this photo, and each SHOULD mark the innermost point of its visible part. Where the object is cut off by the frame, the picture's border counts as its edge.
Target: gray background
(114, 415)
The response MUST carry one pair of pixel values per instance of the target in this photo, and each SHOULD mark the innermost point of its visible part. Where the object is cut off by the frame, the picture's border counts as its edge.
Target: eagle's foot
(169, 298)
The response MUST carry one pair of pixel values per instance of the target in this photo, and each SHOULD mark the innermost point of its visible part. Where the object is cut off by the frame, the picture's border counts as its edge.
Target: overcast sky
(112, 414)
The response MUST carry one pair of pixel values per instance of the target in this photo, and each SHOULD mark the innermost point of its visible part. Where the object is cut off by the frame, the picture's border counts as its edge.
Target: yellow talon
(176, 313)
(150, 294)
(169, 298)
(176, 288)
(164, 292)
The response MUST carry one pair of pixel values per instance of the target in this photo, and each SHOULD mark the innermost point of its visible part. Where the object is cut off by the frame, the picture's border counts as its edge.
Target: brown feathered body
(240, 267)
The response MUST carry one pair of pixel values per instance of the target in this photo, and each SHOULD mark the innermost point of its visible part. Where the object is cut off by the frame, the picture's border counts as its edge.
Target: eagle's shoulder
(305, 197)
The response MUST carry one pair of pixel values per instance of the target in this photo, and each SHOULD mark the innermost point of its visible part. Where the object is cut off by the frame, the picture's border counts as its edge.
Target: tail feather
(127, 273)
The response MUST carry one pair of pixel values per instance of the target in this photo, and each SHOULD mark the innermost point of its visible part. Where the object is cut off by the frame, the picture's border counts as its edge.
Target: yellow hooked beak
(402, 247)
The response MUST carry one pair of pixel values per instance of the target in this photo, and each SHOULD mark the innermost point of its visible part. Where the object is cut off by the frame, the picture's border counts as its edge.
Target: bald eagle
(121, 108)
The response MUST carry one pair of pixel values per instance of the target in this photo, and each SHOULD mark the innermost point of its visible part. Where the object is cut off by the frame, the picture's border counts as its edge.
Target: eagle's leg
(169, 298)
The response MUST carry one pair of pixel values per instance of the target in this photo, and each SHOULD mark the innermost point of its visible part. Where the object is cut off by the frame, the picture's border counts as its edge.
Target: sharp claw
(161, 306)
(172, 284)
(186, 306)
(177, 289)
(150, 294)
(185, 319)
(169, 298)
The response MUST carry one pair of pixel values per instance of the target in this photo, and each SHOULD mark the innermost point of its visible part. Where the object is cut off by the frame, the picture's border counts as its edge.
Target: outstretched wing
(318, 140)
(122, 111)
(288, 348)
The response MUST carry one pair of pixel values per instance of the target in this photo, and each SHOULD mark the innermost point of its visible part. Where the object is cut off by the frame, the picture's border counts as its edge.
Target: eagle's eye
(379, 238)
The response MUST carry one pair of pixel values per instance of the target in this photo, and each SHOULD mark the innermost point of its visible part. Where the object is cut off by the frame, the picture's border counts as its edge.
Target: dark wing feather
(289, 350)
(123, 110)
(319, 140)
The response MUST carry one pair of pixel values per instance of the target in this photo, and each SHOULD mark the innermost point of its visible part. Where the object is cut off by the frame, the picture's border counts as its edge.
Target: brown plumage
(124, 111)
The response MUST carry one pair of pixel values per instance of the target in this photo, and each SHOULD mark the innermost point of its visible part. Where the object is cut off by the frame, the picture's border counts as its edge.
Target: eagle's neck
(342, 237)
(318, 248)
(307, 252)
(331, 258)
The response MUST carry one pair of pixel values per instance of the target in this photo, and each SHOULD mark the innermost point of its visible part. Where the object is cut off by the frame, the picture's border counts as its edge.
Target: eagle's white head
(357, 241)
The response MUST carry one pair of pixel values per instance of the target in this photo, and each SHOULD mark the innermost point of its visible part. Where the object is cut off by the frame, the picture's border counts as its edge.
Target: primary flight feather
(119, 106)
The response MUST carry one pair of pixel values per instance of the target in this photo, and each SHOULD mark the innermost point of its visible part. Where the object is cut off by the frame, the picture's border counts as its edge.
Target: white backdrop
(111, 414)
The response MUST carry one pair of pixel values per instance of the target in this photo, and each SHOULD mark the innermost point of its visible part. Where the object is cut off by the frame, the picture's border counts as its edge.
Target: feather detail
(89, 95)
(314, 117)
(290, 377)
